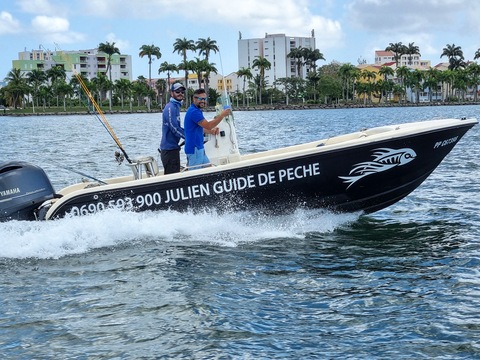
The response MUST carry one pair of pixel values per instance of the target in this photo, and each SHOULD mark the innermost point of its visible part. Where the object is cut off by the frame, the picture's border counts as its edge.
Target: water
(401, 283)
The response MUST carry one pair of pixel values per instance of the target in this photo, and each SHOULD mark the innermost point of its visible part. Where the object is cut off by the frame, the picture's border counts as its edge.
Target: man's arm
(209, 125)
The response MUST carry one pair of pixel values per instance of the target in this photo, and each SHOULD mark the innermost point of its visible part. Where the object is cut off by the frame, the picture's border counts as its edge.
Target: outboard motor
(23, 188)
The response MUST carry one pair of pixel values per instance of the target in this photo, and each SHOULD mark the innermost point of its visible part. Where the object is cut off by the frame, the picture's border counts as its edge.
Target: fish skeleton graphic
(383, 159)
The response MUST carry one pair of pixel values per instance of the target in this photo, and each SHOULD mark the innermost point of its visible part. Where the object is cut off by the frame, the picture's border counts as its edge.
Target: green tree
(162, 88)
(262, 64)
(386, 71)
(181, 46)
(55, 74)
(431, 80)
(102, 85)
(477, 55)
(348, 73)
(124, 88)
(149, 51)
(205, 47)
(330, 83)
(165, 67)
(293, 87)
(398, 50)
(454, 55)
(369, 76)
(311, 57)
(416, 81)
(64, 90)
(109, 49)
(140, 89)
(17, 87)
(411, 50)
(402, 73)
(473, 71)
(36, 78)
(246, 74)
(296, 54)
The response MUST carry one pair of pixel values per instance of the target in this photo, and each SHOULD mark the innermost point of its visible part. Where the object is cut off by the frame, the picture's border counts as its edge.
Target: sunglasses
(201, 98)
(179, 92)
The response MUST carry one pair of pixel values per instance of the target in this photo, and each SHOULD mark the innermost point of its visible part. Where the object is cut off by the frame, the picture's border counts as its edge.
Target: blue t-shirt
(172, 132)
(193, 131)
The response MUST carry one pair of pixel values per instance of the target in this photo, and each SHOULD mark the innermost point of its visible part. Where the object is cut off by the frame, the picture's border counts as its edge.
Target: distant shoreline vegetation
(60, 111)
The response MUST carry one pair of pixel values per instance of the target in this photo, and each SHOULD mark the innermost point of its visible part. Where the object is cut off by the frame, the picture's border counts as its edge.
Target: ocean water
(402, 283)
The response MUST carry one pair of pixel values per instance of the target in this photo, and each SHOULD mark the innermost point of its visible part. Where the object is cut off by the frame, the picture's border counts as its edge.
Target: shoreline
(249, 108)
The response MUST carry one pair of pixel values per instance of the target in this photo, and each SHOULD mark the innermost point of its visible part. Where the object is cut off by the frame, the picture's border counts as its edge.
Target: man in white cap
(172, 132)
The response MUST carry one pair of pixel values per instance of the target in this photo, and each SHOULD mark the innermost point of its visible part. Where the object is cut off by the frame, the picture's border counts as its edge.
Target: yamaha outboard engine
(23, 188)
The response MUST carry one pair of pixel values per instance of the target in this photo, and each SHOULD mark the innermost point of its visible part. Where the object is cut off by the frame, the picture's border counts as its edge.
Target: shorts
(197, 160)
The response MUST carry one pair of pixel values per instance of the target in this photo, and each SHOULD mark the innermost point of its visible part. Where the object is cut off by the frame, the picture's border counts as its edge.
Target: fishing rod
(77, 172)
(98, 111)
(224, 82)
(227, 102)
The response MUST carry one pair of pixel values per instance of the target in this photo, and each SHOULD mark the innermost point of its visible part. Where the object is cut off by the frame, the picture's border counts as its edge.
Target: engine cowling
(23, 188)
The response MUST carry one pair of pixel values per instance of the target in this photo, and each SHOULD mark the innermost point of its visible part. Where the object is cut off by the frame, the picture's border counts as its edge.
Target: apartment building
(90, 63)
(275, 48)
(412, 61)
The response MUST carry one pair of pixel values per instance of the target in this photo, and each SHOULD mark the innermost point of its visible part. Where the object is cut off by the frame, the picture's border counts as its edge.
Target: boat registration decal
(445, 142)
(383, 159)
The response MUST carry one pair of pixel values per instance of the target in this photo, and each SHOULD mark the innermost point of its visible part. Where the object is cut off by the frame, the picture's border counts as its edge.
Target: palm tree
(454, 54)
(412, 50)
(124, 88)
(477, 55)
(140, 89)
(398, 50)
(17, 87)
(386, 71)
(201, 67)
(149, 51)
(77, 88)
(347, 72)
(313, 77)
(312, 56)
(187, 66)
(102, 85)
(165, 67)
(431, 82)
(204, 47)
(56, 74)
(64, 90)
(36, 78)
(246, 74)
(181, 46)
(297, 55)
(369, 76)
(403, 73)
(162, 88)
(473, 71)
(416, 78)
(109, 49)
(262, 64)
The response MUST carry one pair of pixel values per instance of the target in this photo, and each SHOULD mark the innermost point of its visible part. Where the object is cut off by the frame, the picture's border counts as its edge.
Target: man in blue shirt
(195, 125)
(172, 132)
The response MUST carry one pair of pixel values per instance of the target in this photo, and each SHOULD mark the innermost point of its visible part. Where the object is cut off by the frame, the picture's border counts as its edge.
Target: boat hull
(356, 175)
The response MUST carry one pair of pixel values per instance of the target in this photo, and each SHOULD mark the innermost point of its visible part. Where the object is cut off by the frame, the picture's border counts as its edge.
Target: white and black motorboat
(366, 170)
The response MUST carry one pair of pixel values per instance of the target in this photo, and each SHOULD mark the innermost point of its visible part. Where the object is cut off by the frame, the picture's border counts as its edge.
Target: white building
(275, 48)
(411, 61)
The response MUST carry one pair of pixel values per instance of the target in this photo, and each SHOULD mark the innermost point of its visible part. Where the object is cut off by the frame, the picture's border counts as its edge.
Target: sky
(346, 31)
